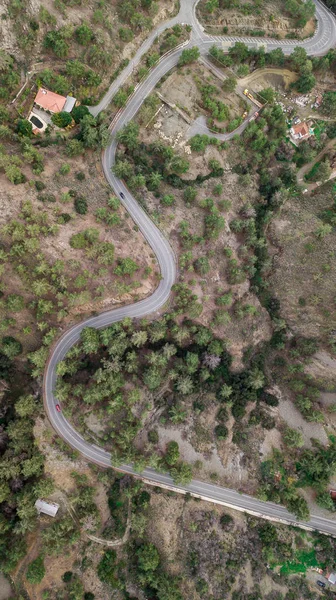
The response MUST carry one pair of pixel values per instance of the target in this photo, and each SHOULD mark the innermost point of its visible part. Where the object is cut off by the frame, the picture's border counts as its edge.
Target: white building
(47, 508)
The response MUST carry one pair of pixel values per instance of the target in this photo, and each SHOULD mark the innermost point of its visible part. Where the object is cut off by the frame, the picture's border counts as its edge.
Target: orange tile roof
(301, 128)
(49, 100)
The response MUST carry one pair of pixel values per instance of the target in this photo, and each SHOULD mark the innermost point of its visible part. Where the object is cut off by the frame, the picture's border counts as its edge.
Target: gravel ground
(295, 420)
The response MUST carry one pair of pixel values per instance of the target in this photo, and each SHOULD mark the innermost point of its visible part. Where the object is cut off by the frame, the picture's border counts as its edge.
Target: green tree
(139, 338)
(188, 55)
(107, 568)
(129, 135)
(24, 128)
(299, 506)
(84, 34)
(120, 98)
(256, 379)
(229, 84)
(324, 500)
(184, 385)
(172, 453)
(78, 112)
(178, 165)
(25, 406)
(239, 52)
(90, 340)
(60, 535)
(276, 57)
(298, 58)
(14, 302)
(123, 169)
(154, 180)
(148, 557)
(181, 473)
(11, 347)
(202, 266)
(328, 106)
(305, 82)
(293, 438)
(74, 148)
(62, 119)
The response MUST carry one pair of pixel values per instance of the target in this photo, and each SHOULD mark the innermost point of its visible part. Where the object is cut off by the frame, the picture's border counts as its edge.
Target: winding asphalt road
(319, 44)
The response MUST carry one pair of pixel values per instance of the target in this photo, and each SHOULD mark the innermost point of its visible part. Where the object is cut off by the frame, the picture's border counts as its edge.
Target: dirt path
(20, 570)
(113, 543)
(306, 168)
(94, 538)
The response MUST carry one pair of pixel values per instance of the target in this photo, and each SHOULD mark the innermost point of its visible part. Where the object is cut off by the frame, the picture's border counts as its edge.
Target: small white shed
(47, 508)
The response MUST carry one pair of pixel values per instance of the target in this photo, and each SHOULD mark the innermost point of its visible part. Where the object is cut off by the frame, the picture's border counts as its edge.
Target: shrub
(270, 399)
(189, 194)
(107, 568)
(224, 299)
(81, 205)
(168, 200)
(153, 436)
(67, 576)
(126, 266)
(74, 148)
(202, 266)
(221, 432)
(39, 185)
(84, 238)
(65, 169)
(113, 202)
(46, 197)
(222, 414)
(84, 34)
(36, 570)
(64, 218)
(226, 521)
(293, 438)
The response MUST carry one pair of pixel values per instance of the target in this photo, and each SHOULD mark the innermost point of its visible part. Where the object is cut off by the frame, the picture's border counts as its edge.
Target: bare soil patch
(304, 274)
(99, 289)
(280, 79)
(5, 588)
(271, 19)
(183, 88)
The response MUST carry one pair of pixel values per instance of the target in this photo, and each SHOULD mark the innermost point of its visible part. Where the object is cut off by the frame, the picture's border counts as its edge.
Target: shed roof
(332, 578)
(49, 100)
(69, 104)
(48, 508)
